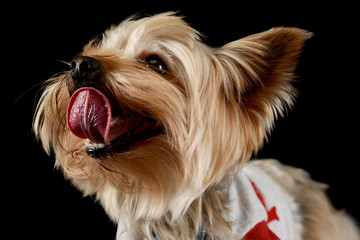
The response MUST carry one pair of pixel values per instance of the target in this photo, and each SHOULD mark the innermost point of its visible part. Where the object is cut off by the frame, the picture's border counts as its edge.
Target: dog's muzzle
(85, 72)
(85, 68)
(96, 115)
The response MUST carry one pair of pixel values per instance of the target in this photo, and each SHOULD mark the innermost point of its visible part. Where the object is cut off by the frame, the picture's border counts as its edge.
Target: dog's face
(152, 114)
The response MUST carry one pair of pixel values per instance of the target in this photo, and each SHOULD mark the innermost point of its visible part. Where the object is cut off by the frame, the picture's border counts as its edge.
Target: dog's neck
(239, 198)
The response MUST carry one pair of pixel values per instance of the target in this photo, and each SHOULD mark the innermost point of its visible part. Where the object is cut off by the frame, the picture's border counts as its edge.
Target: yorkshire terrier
(160, 127)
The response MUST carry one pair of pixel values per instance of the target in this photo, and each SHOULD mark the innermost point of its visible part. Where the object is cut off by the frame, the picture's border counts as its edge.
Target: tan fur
(216, 106)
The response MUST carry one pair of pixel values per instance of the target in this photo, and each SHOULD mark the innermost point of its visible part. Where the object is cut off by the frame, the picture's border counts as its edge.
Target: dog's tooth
(87, 142)
(90, 144)
(100, 145)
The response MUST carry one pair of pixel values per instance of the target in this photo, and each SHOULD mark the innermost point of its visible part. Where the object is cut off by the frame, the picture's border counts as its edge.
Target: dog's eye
(155, 63)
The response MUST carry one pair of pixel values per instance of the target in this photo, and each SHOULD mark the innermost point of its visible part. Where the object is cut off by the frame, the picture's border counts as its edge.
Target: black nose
(85, 68)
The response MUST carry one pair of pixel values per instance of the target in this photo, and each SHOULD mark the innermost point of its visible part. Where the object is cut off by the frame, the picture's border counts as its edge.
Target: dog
(160, 128)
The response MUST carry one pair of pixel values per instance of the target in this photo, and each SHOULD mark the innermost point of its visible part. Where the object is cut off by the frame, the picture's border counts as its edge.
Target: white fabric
(246, 209)
(123, 233)
(273, 196)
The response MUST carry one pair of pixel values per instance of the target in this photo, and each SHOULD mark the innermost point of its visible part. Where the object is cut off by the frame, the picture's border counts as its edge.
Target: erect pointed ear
(257, 72)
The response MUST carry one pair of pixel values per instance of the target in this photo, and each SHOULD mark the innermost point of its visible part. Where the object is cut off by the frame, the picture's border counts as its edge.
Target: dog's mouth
(106, 130)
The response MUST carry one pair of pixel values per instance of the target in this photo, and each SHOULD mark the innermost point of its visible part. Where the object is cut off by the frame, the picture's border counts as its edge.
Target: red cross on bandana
(261, 230)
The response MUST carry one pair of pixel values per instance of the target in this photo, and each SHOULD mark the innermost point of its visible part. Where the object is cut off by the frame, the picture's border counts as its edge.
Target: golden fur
(216, 106)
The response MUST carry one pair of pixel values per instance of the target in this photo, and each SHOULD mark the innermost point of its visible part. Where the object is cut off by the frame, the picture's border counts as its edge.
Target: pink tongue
(89, 115)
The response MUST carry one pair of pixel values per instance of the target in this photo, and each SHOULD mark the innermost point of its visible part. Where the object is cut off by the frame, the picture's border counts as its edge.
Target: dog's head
(149, 117)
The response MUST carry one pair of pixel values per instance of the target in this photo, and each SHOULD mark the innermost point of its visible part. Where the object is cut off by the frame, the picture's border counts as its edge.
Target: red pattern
(261, 230)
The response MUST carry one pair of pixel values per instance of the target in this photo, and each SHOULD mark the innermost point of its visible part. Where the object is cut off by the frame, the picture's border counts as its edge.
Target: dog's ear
(257, 71)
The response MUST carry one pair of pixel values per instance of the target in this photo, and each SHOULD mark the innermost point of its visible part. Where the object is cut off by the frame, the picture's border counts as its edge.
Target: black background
(320, 134)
